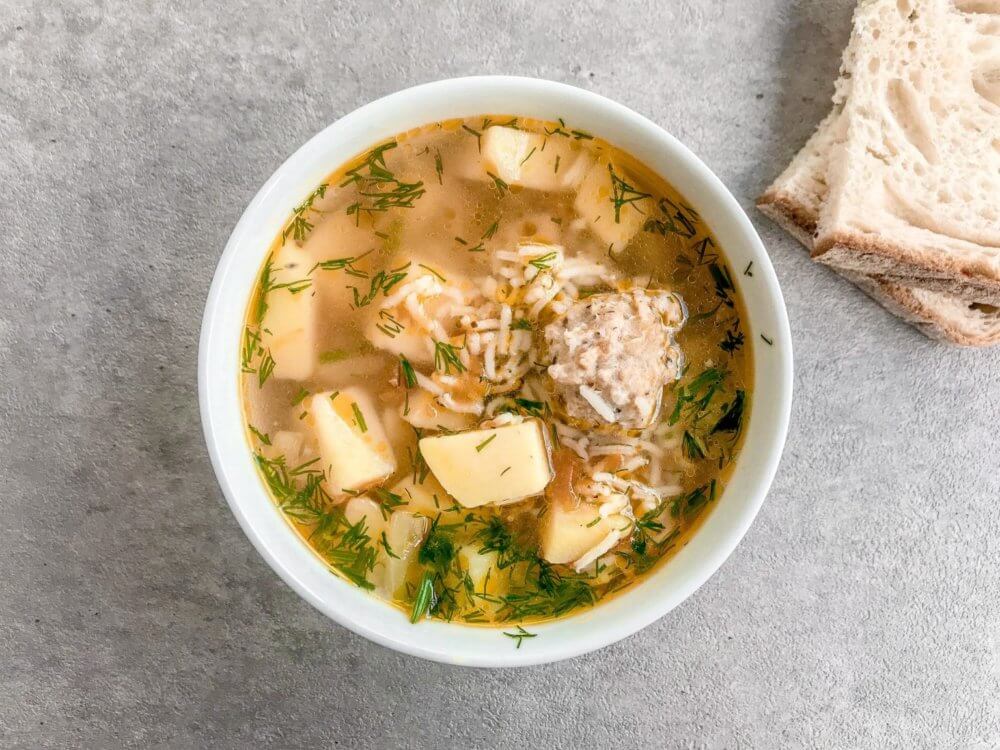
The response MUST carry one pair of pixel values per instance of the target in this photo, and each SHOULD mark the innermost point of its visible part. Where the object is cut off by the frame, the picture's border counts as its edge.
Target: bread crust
(902, 302)
(971, 279)
(956, 329)
(789, 214)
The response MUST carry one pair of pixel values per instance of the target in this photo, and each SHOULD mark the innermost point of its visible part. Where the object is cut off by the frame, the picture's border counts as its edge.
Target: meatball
(613, 353)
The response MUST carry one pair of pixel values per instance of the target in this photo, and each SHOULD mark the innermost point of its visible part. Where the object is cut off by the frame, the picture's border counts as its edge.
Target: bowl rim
(458, 644)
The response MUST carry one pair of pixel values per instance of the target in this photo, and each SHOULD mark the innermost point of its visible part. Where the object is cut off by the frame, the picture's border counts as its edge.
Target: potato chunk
(290, 446)
(579, 535)
(353, 446)
(289, 322)
(490, 467)
(404, 534)
(479, 566)
(596, 203)
(505, 151)
(425, 413)
(415, 345)
(363, 508)
(426, 498)
(533, 160)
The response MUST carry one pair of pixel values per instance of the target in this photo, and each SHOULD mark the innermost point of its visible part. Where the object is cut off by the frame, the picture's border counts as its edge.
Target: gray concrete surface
(862, 610)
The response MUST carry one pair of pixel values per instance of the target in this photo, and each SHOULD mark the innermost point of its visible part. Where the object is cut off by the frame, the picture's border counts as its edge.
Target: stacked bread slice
(899, 188)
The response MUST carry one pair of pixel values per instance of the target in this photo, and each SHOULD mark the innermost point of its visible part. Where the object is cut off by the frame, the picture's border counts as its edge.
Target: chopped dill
(696, 396)
(265, 368)
(378, 189)
(496, 537)
(519, 635)
(530, 153)
(623, 194)
(446, 358)
(300, 397)
(692, 502)
(555, 168)
(249, 349)
(263, 437)
(299, 227)
(479, 135)
(388, 324)
(387, 548)
(420, 468)
(431, 270)
(521, 324)
(769, 342)
(560, 130)
(254, 358)
(359, 418)
(388, 501)
(382, 282)
(438, 166)
(732, 419)
(438, 550)
(487, 441)
(299, 493)
(409, 375)
(535, 408)
(702, 249)
(733, 341)
(501, 186)
(677, 220)
(343, 264)
(424, 599)
(693, 446)
(544, 262)
(723, 283)
(747, 271)
(488, 234)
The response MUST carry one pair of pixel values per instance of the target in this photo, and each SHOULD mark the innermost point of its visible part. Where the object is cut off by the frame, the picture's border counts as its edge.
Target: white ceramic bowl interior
(218, 368)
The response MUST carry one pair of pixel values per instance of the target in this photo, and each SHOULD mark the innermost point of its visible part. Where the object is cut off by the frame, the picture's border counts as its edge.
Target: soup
(494, 371)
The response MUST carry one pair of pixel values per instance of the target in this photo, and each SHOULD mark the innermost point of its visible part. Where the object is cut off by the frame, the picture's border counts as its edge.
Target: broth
(516, 311)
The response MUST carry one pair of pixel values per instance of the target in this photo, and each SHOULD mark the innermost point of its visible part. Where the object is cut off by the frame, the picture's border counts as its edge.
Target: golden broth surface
(424, 201)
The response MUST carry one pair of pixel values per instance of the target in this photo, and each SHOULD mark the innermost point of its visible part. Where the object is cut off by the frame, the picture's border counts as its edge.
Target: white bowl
(218, 370)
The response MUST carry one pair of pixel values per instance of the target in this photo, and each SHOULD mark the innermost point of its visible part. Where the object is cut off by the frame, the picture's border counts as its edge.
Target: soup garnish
(495, 370)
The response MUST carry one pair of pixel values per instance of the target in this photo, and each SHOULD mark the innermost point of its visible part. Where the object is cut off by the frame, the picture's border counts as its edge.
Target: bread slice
(914, 173)
(795, 200)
